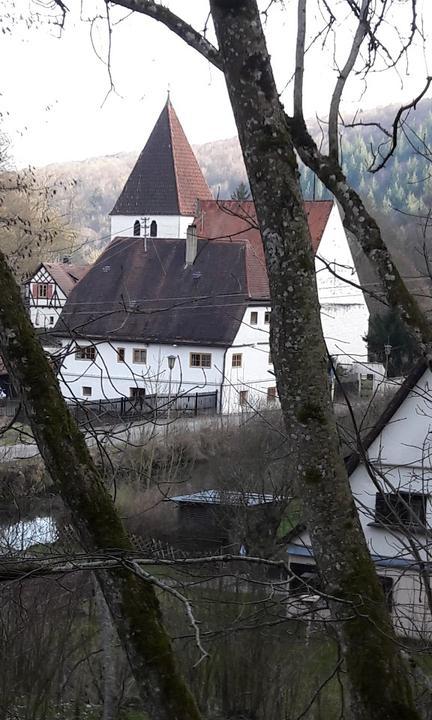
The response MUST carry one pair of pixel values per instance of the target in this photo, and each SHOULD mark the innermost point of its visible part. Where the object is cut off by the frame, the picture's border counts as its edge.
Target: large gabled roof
(145, 293)
(235, 220)
(166, 178)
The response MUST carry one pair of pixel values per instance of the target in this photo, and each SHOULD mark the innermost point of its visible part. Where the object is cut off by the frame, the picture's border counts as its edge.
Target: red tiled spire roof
(235, 220)
(166, 178)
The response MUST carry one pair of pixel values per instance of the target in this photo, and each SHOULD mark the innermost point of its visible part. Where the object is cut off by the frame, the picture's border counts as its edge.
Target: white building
(344, 313)
(143, 300)
(186, 299)
(395, 507)
(47, 289)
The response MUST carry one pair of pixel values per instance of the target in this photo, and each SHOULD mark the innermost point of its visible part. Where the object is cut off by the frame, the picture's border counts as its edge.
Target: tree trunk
(133, 604)
(377, 675)
(107, 637)
(363, 226)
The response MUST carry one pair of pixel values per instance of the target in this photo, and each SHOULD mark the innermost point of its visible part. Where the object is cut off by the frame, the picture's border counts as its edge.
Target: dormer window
(137, 228)
(153, 228)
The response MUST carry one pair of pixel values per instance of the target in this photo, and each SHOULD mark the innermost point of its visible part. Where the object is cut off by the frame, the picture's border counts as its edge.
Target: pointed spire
(166, 179)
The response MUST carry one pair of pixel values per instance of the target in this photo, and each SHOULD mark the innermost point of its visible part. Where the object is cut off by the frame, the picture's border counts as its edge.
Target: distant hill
(90, 187)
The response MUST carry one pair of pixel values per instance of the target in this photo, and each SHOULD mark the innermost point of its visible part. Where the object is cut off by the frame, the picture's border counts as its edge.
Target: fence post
(196, 404)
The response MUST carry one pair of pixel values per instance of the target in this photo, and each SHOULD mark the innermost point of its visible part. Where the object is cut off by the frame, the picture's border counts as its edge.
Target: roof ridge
(169, 108)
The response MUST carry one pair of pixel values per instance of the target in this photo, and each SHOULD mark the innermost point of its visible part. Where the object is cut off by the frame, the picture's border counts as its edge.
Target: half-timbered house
(47, 289)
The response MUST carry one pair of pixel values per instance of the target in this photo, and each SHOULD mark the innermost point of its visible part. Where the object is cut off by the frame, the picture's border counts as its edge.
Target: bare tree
(379, 682)
(132, 601)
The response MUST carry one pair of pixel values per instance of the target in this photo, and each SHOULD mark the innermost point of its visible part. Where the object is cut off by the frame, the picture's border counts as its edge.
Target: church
(179, 304)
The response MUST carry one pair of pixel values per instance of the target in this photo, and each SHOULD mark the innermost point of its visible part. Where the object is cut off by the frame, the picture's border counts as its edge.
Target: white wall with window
(242, 374)
(395, 508)
(248, 366)
(45, 299)
(131, 369)
(154, 226)
(402, 453)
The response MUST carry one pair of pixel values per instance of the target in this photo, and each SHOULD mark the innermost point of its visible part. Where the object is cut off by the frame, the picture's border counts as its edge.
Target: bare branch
(359, 36)
(134, 566)
(178, 26)
(397, 124)
(300, 56)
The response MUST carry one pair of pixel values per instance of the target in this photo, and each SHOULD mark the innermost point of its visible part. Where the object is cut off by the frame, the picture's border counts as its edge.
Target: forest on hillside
(398, 194)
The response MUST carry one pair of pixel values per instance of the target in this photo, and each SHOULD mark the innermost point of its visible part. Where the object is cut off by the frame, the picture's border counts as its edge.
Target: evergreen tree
(388, 329)
(241, 192)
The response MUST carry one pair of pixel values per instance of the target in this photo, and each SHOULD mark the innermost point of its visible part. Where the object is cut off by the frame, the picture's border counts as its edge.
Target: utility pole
(144, 227)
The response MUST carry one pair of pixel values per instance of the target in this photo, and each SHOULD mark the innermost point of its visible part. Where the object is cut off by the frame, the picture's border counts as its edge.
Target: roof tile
(235, 220)
(166, 178)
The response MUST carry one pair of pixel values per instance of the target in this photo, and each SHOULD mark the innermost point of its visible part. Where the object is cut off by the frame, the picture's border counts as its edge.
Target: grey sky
(54, 88)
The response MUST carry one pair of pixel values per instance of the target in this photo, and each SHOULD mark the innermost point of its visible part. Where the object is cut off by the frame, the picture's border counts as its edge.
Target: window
(137, 228)
(136, 392)
(86, 391)
(305, 580)
(139, 355)
(153, 228)
(85, 353)
(402, 508)
(387, 586)
(200, 360)
(254, 318)
(271, 394)
(51, 319)
(267, 317)
(120, 354)
(237, 360)
(42, 290)
(243, 397)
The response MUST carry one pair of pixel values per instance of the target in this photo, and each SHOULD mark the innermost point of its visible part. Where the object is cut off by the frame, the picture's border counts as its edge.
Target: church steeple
(166, 179)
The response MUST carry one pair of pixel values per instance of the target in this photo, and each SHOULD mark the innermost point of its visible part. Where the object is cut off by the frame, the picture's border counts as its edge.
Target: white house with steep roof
(47, 289)
(392, 490)
(173, 251)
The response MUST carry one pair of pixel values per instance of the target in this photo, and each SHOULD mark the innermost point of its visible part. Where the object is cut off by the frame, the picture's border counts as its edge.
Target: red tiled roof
(66, 275)
(166, 178)
(236, 220)
(190, 181)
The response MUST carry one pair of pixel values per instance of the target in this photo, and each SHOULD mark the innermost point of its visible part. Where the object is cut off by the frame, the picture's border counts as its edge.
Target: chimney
(191, 245)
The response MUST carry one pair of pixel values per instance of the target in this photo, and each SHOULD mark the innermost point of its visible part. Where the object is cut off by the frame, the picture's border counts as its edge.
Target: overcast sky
(53, 87)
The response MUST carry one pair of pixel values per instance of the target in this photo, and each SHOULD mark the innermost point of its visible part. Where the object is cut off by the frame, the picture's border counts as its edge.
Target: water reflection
(22, 535)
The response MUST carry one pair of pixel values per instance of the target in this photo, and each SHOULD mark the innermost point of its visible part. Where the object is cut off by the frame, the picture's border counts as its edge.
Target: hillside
(91, 186)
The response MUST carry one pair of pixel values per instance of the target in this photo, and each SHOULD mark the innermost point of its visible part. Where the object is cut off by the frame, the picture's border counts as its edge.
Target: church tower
(160, 195)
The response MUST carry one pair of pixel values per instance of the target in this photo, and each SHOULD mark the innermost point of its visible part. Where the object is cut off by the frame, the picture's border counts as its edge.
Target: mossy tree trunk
(132, 602)
(376, 672)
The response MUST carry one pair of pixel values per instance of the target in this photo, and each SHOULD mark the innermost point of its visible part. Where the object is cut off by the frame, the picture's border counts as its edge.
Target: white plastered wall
(43, 312)
(254, 377)
(109, 378)
(344, 313)
(168, 226)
